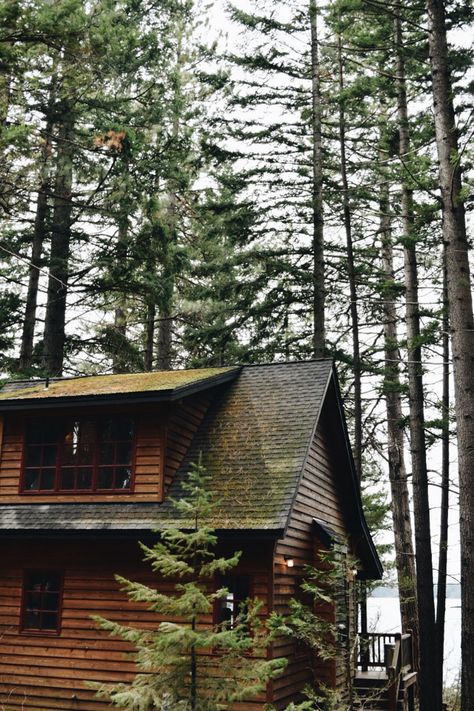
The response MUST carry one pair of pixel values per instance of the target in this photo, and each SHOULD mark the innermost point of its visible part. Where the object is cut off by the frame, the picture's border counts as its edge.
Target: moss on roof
(114, 384)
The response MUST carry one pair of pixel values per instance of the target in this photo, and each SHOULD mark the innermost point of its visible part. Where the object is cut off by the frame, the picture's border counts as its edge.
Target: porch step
(370, 691)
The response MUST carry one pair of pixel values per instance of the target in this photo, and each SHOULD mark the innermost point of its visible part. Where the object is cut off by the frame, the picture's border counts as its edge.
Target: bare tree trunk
(319, 337)
(119, 362)
(445, 470)
(55, 319)
(404, 554)
(356, 364)
(430, 673)
(461, 324)
(149, 336)
(39, 235)
(351, 273)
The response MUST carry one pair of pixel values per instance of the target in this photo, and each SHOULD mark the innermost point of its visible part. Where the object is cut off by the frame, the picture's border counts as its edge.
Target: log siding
(50, 673)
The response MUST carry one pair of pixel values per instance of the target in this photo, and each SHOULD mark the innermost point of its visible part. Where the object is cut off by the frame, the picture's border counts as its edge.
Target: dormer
(101, 438)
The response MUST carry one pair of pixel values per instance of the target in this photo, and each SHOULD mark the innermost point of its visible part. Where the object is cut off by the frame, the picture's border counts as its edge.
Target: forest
(189, 184)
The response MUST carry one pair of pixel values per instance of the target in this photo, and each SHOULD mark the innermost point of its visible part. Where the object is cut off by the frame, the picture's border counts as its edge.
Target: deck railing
(372, 649)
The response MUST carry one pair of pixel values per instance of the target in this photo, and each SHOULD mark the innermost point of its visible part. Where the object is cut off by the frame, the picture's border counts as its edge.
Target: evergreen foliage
(189, 665)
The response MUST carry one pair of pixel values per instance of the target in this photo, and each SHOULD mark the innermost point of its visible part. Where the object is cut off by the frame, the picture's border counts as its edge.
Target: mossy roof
(111, 385)
(254, 440)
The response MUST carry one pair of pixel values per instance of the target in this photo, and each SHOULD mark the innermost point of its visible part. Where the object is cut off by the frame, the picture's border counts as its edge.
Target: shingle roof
(253, 440)
(253, 443)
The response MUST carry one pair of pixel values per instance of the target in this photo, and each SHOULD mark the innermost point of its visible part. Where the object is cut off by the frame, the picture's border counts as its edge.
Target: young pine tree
(190, 665)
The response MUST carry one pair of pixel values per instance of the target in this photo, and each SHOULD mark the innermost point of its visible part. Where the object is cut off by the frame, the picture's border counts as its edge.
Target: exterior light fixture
(289, 560)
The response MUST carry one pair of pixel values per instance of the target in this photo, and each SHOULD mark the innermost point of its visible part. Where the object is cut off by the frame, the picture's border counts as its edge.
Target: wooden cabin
(87, 468)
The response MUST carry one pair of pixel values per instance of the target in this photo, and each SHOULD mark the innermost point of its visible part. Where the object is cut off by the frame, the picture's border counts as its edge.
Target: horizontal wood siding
(182, 422)
(46, 673)
(317, 497)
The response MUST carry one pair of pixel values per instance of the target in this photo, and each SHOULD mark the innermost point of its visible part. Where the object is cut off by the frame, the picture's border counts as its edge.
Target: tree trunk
(461, 324)
(39, 234)
(55, 319)
(317, 192)
(356, 364)
(149, 336)
(119, 362)
(404, 554)
(430, 672)
(445, 470)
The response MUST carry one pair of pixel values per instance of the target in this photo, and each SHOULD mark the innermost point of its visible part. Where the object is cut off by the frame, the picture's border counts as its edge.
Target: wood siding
(317, 497)
(182, 422)
(49, 672)
(162, 436)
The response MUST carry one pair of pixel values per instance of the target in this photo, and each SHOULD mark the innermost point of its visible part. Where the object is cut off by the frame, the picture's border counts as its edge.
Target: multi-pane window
(235, 601)
(79, 455)
(41, 604)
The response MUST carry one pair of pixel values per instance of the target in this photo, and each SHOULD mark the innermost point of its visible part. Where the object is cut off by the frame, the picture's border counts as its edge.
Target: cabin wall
(182, 421)
(317, 497)
(49, 672)
(162, 436)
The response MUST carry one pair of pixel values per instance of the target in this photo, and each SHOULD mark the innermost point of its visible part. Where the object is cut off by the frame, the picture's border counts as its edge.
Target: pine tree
(177, 661)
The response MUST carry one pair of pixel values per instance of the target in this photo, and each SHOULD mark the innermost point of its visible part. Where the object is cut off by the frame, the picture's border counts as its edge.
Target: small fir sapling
(190, 665)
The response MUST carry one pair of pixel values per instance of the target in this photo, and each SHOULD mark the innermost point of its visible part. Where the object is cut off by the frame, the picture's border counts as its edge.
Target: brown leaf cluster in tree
(113, 140)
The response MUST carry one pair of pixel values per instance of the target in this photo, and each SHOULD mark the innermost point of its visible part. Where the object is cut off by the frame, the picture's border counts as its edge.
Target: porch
(386, 673)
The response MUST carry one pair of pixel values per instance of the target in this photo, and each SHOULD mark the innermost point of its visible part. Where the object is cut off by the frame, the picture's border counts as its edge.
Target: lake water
(384, 616)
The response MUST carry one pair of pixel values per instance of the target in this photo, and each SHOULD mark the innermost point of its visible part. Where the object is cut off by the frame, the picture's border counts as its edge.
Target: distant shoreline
(452, 592)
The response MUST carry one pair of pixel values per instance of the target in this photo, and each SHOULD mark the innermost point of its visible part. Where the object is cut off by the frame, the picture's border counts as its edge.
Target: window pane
(124, 453)
(116, 429)
(84, 479)
(106, 478)
(50, 601)
(33, 601)
(32, 620)
(68, 454)
(52, 582)
(32, 480)
(107, 453)
(106, 430)
(47, 479)
(124, 429)
(49, 455)
(49, 621)
(85, 453)
(122, 477)
(33, 457)
(35, 581)
(67, 479)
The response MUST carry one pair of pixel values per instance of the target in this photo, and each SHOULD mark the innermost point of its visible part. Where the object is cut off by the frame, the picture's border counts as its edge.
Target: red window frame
(95, 466)
(45, 599)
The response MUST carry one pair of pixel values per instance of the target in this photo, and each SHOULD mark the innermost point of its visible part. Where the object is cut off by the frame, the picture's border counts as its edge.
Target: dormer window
(78, 455)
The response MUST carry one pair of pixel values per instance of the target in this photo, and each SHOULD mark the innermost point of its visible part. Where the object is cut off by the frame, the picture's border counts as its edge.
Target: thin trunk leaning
(461, 323)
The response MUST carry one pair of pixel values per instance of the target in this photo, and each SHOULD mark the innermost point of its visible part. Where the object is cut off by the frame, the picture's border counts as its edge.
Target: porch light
(289, 560)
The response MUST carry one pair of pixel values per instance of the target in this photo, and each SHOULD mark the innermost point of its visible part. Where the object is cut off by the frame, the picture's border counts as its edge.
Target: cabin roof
(165, 384)
(253, 441)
